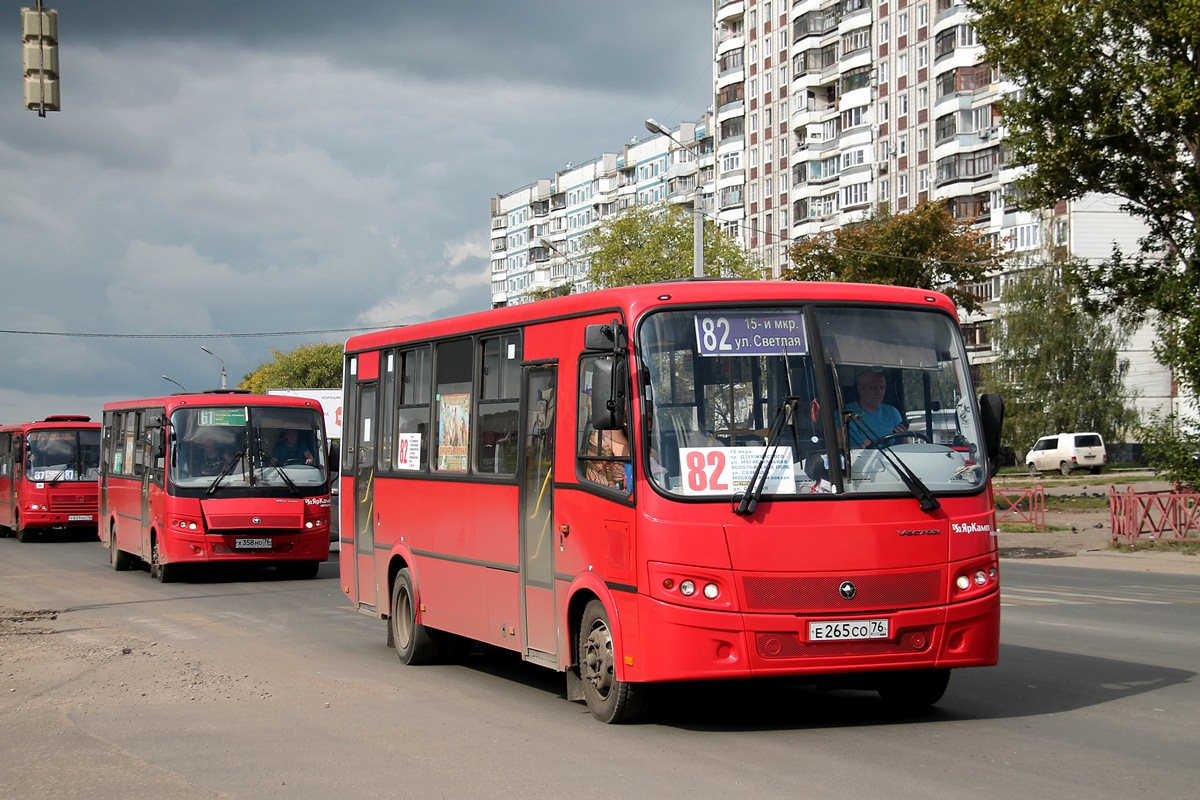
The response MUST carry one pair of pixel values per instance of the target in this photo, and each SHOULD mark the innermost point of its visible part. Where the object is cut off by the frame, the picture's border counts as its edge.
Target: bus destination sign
(749, 334)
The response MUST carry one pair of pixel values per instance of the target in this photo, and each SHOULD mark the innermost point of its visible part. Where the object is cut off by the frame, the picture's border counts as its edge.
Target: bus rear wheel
(119, 559)
(414, 644)
(610, 700)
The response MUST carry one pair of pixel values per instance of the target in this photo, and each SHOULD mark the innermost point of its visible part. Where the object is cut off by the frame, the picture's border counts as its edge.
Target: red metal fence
(1172, 515)
(1022, 505)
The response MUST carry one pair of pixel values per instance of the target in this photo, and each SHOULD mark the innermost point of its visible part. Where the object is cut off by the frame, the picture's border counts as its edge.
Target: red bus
(679, 482)
(215, 477)
(48, 472)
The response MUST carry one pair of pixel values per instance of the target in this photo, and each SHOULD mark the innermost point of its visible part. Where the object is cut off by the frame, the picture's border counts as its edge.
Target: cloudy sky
(224, 168)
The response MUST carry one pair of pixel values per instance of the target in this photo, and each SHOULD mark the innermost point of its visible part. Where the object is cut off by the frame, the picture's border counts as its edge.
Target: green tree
(1172, 448)
(1109, 102)
(926, 247)
(650, 243)
(309, 366)
(1057, 365)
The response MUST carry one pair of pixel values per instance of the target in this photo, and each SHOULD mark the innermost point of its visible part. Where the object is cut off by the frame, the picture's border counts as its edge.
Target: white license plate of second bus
(79, 518)
(252, 544)
(832, 630)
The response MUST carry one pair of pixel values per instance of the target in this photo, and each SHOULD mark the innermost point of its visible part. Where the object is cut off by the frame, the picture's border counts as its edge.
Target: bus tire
(24, 535)
(913, 691)
(119, 559)
(414, 645)
(163, 573)
(610, 700)
(299, 570)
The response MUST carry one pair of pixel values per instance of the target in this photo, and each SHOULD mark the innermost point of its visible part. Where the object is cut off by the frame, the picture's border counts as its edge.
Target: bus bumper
(199, 548)
(692, 644)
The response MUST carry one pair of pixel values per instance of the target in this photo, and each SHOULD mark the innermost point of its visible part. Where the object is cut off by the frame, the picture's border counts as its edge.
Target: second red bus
(214, 478)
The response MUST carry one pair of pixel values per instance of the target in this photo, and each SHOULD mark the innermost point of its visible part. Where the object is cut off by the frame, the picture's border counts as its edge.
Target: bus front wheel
(163, 573)
(609, 699)
(915, 690)
(414, 644)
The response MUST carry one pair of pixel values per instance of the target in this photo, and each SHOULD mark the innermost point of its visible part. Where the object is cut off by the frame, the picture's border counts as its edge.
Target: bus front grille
(824, 593)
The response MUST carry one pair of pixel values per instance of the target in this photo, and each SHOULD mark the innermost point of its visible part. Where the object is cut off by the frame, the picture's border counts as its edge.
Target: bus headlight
(687, 588)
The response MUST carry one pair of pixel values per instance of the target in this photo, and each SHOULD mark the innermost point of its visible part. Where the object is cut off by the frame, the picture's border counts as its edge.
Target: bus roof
(637, 299)
(213, 399)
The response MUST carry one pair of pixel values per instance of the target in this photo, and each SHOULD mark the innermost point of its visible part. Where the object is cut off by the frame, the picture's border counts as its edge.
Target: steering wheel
(878, 443)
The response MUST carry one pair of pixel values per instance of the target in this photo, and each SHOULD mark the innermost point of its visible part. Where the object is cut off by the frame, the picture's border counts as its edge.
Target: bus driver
(871, 418)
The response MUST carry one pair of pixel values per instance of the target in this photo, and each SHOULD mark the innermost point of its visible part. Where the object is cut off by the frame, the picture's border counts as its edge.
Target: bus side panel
(465, 541)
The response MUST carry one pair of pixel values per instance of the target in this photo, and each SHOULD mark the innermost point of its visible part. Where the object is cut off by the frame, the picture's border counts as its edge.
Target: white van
(1066, 452)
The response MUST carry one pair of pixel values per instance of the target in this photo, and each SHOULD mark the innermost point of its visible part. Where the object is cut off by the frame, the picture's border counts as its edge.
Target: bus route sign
(770, 333)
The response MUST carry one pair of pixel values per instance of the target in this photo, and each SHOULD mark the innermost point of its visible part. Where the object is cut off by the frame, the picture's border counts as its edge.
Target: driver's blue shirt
(873, 425)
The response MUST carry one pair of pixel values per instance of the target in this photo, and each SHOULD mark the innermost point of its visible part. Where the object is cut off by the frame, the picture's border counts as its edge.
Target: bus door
(8, 483)
(144, 467)
(538, 536)
(364, 493)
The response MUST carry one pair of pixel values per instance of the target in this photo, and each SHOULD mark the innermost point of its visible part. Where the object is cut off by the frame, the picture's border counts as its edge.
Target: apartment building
(823, 111)
(538, 232)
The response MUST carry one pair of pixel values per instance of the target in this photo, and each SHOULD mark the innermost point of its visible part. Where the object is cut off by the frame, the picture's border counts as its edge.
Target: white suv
(1066, 452)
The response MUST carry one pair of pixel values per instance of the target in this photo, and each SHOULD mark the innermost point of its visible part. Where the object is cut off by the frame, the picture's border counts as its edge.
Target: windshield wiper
(919, 490)
(225, 471)
(54, 481)
(268, 460)
(758, 481)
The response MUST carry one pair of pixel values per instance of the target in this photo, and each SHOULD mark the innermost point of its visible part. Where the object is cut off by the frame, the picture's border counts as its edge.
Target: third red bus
(48, 472)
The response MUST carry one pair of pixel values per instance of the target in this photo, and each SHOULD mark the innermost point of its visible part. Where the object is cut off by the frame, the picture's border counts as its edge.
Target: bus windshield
(63, 455)
(858, 400)
(241, 446)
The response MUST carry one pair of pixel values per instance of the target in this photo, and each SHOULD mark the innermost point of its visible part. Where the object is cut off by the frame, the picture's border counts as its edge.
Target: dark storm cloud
(223, 168)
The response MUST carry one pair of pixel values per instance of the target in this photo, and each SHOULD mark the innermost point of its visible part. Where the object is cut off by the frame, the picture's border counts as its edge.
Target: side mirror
(609, 400)
(609, 336)
(991, 408)
(157, 443)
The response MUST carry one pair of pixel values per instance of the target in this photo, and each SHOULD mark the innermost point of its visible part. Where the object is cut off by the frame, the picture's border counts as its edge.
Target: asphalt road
(244, 686)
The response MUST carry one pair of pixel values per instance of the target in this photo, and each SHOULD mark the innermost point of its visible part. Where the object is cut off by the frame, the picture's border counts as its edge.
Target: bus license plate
(252, 544)
(79, 518)
(847, 629)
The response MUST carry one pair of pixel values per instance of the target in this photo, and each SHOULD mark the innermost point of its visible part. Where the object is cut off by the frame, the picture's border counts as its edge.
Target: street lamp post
(697, 213)
(177, 383)
(218, 358)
